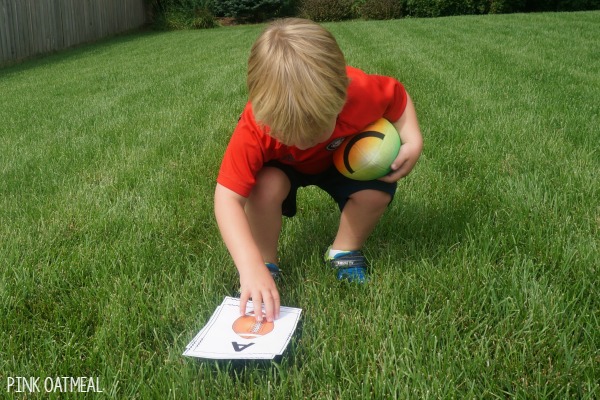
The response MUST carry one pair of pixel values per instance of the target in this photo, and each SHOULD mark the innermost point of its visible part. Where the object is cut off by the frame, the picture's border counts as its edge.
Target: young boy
(303, 102)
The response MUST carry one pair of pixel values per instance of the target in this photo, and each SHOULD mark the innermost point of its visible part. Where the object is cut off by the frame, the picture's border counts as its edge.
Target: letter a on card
(240, 347)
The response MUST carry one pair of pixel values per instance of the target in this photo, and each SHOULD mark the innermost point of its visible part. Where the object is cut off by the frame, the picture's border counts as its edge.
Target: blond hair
(296, 80)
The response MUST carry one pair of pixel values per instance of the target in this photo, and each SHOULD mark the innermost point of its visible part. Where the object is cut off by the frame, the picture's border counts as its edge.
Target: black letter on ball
(355, 139)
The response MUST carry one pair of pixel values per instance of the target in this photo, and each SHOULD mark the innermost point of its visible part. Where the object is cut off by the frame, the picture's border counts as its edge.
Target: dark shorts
(335, 184)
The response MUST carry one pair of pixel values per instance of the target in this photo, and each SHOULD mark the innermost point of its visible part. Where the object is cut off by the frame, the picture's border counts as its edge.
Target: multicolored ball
(369, 154)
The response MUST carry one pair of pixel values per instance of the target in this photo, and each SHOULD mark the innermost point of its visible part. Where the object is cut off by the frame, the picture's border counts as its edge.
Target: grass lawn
(485, 280)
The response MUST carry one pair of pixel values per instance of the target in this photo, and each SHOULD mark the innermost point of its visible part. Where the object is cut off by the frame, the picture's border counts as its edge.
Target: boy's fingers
(393, 176)
(401, 161)
(277, 306)
(257, 303)
(243, 300)
(270, 306)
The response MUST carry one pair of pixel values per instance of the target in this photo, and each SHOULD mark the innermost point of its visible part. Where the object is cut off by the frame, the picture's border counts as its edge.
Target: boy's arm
(255, 280)
(412, 144)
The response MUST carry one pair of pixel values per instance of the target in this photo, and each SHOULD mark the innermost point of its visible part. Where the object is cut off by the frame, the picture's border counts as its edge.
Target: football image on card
(249, 328)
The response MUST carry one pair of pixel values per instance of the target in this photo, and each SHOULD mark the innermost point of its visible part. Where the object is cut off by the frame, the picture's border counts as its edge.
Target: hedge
(187, 14)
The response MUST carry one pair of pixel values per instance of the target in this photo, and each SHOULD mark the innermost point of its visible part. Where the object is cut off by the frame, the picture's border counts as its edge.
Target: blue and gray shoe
(350, 266)
(275, 271)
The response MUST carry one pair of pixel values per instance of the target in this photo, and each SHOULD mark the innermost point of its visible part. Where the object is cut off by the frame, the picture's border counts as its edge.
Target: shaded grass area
(485, 268)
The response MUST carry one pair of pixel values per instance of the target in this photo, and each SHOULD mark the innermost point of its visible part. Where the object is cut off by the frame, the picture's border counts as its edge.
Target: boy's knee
(272, 186)
(375, 199)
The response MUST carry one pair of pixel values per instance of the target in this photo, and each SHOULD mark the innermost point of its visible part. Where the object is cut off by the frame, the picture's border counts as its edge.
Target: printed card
(227, 335)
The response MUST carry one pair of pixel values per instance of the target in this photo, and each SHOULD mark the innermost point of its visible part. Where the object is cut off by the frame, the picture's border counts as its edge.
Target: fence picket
(33, 27)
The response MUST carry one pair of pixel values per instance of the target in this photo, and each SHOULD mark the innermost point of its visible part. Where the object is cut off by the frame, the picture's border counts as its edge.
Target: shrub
(440, 8)
(204, 19)
(181, 14)
(327, 10)
(249, 10)
(289, 8)
(179, 20)
(506, 6)
(561, 5)
(421, 8)
(381, 9)
(443, 8)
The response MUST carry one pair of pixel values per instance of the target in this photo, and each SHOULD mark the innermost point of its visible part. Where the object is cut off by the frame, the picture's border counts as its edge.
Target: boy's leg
(263, 209)
(362, 203)
(359, 217)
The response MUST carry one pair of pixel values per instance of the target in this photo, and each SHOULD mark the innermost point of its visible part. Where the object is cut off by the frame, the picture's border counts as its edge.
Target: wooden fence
(32, 27)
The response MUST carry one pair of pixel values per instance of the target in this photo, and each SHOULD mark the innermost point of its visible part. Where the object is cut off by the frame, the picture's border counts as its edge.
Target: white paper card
(218, 340)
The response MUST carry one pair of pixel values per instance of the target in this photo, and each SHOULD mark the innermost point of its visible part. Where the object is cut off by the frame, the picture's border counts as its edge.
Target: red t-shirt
(369, 98)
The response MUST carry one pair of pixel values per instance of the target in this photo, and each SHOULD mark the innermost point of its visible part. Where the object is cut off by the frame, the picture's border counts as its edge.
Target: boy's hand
(404, 163)
(258, 284)
(412, 144)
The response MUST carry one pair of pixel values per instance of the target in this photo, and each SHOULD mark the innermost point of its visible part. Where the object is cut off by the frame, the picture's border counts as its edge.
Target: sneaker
(350, 266)
(275, 271)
